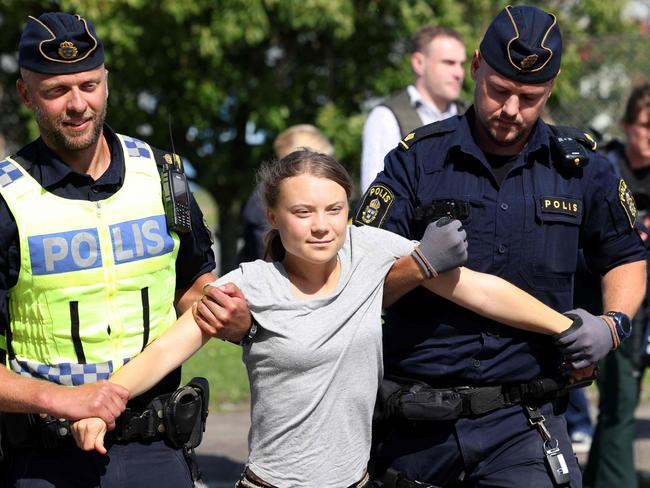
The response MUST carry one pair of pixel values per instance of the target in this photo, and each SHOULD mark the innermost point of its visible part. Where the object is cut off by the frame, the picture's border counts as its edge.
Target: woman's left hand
(89, 434)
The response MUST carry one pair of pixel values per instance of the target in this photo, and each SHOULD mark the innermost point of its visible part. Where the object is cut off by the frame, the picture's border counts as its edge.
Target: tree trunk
(228, 233)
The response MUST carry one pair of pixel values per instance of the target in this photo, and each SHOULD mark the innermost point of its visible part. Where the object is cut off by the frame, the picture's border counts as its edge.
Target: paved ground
(223, 451)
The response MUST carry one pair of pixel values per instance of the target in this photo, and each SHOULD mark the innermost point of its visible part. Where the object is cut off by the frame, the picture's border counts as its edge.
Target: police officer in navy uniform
(90, 272)
(528, 195)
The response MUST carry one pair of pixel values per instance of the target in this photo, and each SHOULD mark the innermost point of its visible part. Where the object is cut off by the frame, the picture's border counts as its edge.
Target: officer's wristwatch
(250, 335)
(623, 324)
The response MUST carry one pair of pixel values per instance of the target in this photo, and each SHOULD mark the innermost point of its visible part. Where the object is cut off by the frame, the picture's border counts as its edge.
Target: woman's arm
(162, 356)
(157, 360)
(496, 299)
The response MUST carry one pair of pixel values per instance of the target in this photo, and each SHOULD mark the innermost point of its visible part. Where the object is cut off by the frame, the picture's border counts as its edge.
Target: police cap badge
(524, 44)
(59, 43)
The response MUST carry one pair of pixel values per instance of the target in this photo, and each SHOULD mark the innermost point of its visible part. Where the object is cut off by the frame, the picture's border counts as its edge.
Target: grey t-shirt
(315, 365)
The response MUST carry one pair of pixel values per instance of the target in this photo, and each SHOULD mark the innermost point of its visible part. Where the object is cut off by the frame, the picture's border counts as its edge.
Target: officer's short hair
(638, 102)
(524, 44)
(426, 34)
(59, 43)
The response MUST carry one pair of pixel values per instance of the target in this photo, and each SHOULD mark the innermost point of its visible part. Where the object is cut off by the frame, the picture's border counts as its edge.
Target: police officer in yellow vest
(90, 272)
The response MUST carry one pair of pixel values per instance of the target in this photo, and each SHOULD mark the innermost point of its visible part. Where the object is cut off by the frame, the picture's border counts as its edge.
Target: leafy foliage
(231, 74)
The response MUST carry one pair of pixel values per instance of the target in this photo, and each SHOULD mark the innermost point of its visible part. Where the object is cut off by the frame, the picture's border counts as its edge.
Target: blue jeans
(577, 413)
(133, 465)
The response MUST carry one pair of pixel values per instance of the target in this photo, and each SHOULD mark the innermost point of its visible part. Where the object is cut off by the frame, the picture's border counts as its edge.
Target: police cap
(59, 43)
(524, 44)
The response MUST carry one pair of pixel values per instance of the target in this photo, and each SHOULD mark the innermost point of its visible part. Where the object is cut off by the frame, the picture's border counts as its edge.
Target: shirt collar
(50, 170)
(463, 138)
(417, 101)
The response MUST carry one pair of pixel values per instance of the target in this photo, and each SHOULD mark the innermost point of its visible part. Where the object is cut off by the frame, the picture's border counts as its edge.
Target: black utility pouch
(186, 412)
(409, 399)
(423, 403)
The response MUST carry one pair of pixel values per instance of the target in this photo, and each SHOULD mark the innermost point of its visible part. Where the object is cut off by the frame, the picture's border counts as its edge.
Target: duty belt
(416, 400)
(147, 424)
(178, 417)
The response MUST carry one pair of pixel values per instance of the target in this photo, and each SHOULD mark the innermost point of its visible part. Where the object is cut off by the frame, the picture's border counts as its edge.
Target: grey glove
(588, 340)
(442, 247)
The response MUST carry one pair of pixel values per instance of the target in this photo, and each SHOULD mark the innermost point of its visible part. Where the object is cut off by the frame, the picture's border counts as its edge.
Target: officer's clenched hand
(442, 247)
(103, 399)
(223, 312)
(586, 341)
(89, 434)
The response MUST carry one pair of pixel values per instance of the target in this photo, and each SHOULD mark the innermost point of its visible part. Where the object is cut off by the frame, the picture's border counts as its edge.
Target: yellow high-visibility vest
(97, 279)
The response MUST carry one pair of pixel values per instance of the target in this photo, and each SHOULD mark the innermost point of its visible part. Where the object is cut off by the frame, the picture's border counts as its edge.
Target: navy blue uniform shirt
(526, 230)
(195, 256)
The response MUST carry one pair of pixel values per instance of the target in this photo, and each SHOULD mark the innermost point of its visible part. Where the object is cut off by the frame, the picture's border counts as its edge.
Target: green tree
(231, 74)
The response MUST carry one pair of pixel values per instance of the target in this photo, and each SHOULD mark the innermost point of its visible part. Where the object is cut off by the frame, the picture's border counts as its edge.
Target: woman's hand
(89, 434)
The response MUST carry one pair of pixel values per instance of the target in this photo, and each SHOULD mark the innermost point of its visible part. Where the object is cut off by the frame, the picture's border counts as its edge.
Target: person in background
(438, 63)
(254, 223)
(611, 459)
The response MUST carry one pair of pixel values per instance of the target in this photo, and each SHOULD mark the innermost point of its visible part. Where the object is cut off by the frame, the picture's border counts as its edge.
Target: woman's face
(311, 216)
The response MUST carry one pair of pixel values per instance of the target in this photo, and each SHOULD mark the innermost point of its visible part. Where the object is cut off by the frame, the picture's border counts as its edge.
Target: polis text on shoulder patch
(560, 205)
(627, 202)
(376, 202)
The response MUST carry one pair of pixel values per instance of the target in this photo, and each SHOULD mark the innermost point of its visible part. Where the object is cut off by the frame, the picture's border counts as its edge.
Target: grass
(220, 362)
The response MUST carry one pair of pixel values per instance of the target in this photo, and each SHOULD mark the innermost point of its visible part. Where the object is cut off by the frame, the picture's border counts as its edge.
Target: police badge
(370, 212)
(67, 50)
(376, 203)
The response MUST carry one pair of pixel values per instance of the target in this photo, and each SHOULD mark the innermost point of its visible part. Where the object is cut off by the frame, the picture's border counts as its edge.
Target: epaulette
(429, 130)
(587, 139)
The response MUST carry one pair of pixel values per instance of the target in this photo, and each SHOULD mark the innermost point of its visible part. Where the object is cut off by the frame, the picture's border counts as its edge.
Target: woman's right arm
(162, 356)
(157, 360)
(497, 299)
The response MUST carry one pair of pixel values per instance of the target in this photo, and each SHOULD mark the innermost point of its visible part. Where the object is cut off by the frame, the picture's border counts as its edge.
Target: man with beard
(469, 401)
(92, 267)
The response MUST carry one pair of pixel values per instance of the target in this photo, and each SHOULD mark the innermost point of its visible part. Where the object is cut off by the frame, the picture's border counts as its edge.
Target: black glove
(442, 247)
(587, 340)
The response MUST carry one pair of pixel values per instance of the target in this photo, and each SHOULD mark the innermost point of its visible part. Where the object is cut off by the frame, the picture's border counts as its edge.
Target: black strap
(407, 117)
(74, 332)
(192, 463)
(394, 479)
(144, 295)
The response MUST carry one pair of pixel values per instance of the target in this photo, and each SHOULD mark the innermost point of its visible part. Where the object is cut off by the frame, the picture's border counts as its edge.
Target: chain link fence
(612, 66)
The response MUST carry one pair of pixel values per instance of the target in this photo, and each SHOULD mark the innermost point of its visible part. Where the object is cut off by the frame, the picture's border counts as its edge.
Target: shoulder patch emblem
(375, 205)
(627, 202)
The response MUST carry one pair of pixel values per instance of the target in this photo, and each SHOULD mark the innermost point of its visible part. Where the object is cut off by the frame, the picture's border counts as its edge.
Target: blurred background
(232, 74)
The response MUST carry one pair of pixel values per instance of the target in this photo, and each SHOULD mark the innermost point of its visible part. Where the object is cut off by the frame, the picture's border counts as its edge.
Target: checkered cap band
(8, 173)
(69, 374)
(136, 148)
